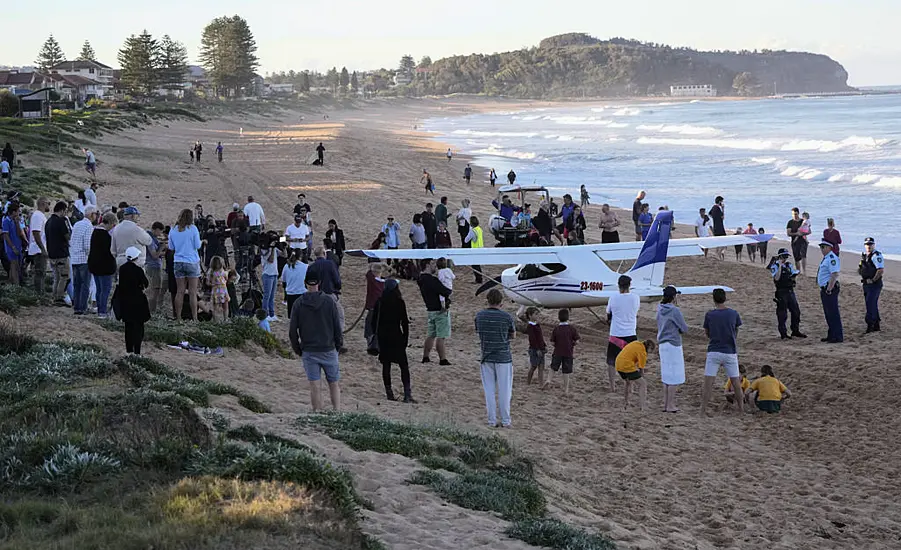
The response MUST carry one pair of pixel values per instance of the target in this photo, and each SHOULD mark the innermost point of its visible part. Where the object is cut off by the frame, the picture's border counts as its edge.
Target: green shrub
(232, 334)
(13, 297)
(487, 491)
(550, 533)
(443, 463)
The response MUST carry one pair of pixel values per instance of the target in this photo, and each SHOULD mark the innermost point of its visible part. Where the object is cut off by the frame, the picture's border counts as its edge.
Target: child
(752, 248)
(805, 228)
(218, 281)
(537, 346)
(768, 392)
(443, 239)
(263, 319)
(738, 247)
(630, 364)
(232, 288)
(585, 196)
(564, 338)
(445, 275)
(761, 247)
(745, 384)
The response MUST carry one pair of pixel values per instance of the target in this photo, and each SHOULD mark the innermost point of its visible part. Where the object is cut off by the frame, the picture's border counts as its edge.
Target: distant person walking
(426, 180)
(450, 154)
(511, 177)
(131, 300)
(90, 162)
(608, 225)
(320, 154)
(315, 335)
(871, 270)
(636, 213)
(393, 328)
(467, 174)
(219, 151)
(721, 325)
(496, 329)
(671, 326)
(492, 177)
(198, 150)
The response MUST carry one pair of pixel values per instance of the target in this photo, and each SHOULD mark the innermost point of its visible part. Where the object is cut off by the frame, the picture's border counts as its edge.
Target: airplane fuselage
(544, 286)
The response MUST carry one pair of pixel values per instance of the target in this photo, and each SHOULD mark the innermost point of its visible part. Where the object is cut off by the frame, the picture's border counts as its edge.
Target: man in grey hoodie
(316, 336)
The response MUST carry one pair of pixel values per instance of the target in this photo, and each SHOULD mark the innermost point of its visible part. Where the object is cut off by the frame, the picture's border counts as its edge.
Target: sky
(301, 34)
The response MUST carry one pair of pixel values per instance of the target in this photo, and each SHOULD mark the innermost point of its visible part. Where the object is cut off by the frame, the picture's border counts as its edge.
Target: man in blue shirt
(12, 240)
(721, 325)
(872, 266)
(506, 208)
(495, 328)
(392, 234)
(827, 280)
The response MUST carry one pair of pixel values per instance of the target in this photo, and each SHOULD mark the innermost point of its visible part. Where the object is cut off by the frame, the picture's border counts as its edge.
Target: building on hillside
(18, 81)
(692, 90)
(79, 89)
(35, 104)
(402, 79)
(98, 72)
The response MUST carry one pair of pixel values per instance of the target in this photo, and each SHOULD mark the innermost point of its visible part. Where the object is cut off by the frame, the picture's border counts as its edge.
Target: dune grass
(15, 297)
(105, 453)
(477, 472)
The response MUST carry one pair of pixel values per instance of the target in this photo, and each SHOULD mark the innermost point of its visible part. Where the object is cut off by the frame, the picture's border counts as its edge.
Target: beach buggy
(514, 229)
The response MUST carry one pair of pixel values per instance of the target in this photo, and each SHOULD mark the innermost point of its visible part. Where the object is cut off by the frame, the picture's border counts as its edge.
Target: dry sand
(823, 474)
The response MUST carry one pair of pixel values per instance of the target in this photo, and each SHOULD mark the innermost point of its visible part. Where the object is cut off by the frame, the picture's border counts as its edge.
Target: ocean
(832, 157)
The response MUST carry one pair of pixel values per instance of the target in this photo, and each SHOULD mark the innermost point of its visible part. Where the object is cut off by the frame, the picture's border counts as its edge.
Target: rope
(351, 327)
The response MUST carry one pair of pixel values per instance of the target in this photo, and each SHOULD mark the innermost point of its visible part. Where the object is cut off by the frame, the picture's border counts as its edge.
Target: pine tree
(87, 52)
(228, 53)
(344, 79)
(426, 61)
(51, 54)
(407, 64)
(332, 79)
(172, 64)
(305, 82)
(140, 61)
(354, 83)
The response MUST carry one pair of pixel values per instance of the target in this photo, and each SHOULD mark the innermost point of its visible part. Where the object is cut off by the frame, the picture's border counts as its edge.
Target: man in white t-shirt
(702, 226)
(622, 312)
(298, 237)
(256, 219)
(37, 243)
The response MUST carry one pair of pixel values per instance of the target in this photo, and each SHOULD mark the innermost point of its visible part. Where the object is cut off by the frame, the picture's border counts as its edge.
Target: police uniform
(829, 265)
(870, 264)
(785, 299)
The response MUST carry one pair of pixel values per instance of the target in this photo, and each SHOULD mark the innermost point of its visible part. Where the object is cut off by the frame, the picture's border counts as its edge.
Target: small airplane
(578, 276)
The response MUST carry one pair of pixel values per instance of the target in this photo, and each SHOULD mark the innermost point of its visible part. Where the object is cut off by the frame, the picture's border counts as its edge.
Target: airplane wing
(555, 254)
(656, 292)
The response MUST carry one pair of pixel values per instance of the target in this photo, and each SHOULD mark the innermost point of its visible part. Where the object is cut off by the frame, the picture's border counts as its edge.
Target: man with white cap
(129, 234)
(871, 269)
(827, 280)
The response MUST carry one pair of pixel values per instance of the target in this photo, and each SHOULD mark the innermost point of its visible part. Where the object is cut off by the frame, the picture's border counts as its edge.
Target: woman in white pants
(670, 327)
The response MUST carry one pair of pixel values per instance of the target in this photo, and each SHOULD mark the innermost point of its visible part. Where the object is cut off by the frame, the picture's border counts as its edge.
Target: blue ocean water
(832, 157)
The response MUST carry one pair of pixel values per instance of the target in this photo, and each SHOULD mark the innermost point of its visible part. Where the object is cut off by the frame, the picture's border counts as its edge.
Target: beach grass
(14, 297)
(477, 472)
(78, 427)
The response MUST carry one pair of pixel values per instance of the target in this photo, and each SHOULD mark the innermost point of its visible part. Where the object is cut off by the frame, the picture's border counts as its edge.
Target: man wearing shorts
(316, 337)
(432, 290)
(622, 313)
(721, 325)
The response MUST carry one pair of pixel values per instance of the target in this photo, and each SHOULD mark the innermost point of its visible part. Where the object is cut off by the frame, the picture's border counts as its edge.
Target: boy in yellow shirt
(745, 384)
(768, 392)
(630, 364)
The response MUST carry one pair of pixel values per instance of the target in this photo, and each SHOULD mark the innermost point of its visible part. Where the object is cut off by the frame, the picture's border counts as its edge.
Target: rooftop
(72, 65)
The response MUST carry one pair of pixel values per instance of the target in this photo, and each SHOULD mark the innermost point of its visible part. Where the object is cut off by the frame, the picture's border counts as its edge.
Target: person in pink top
(831, 235)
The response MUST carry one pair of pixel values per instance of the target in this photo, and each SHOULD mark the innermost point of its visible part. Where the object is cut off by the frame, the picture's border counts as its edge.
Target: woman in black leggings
(132, 302)
(389, 317)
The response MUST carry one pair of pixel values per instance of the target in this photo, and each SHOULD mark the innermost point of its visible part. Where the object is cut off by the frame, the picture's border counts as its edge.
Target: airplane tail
(651, 262)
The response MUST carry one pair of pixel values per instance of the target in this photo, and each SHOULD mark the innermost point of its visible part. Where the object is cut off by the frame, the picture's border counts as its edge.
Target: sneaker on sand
(272, 319)
(67, 300)
(102, 316)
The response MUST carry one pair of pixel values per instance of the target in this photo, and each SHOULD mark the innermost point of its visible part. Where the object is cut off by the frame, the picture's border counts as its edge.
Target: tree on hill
(745, 84)
(354, 83)
(344, 79)
(426, 61)
(172, 63)
(332, 79)
(228, 53)
(305, 81)
(51, 54)
(407, 64)
(139, 59)
(87, 52)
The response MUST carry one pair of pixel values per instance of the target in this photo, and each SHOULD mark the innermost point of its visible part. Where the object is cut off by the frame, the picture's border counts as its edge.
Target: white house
(79, 89)
(93, 70)
(692, 90)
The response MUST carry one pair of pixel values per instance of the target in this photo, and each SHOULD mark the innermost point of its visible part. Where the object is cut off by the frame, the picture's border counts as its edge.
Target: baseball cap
(827, 243)
(312, 278)
(869, 240)
(132, 253)
(783, 252)
(131, 211)
(670, 292)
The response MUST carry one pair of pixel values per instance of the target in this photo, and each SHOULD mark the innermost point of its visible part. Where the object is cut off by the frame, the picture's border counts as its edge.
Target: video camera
(268, 239)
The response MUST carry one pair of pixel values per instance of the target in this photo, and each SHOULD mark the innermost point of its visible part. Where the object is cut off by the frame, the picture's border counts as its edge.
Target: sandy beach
(825, 473)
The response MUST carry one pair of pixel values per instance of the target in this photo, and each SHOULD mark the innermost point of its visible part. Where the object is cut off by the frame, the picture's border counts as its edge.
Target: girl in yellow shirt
(745, 384)
(768, 392)
(630, 364)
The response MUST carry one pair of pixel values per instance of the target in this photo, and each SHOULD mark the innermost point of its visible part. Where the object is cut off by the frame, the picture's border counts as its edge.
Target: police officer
(871, 268)
(784, 277)
(827, 279)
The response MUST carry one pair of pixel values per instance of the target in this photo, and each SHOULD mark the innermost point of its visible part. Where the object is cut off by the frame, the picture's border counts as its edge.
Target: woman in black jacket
(389, 317)
(335, 236)
(132, 302)
(102, 263)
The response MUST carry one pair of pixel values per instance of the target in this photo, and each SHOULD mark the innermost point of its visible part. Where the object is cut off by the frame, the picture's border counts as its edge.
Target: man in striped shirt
(496, 328)
(79, 248)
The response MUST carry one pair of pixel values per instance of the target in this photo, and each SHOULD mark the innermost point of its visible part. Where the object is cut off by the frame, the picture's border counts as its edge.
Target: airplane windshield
(534, 271)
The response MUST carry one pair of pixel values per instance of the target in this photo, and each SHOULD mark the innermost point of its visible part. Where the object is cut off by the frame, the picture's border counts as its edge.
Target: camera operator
(244, 257)
(214, 241)
(270, 250)
(784, 275)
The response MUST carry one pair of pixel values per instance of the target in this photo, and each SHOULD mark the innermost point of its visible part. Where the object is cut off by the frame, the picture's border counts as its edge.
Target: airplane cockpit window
(534, 271)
